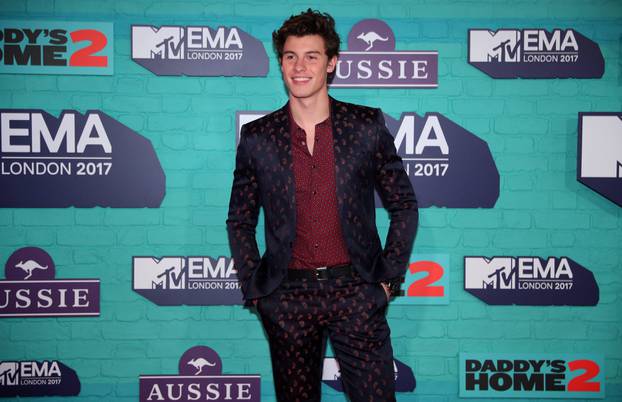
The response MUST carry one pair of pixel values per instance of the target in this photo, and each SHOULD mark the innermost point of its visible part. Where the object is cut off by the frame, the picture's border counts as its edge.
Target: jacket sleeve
(394, 188)
(243, 212)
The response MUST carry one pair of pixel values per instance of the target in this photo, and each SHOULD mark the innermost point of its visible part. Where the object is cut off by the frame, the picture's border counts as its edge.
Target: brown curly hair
(310, 22)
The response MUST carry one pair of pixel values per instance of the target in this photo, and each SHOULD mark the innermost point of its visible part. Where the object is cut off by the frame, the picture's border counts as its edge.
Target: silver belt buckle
(318, 271)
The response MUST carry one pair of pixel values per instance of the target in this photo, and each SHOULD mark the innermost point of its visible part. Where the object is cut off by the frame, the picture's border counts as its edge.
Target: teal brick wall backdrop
(530, 126)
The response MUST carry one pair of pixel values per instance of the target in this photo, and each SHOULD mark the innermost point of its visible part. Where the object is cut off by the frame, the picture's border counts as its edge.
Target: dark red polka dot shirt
(319, 238)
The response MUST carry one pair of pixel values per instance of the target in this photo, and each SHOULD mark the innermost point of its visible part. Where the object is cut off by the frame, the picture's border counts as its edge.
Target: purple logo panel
(234, 388)
(448, 165)
(599, 165)
(37, 378)
(372, 61)
(530, 281)
(391, 69)
(535, 53)
(195, 281)
(29, 263)
(200, 378)
(31, 290)
(80, 160)
(66, 297)
(200, 360)
(198, 51)
(404, 377)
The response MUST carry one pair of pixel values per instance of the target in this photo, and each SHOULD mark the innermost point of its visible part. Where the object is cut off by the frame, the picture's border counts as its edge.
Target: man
(313, 166)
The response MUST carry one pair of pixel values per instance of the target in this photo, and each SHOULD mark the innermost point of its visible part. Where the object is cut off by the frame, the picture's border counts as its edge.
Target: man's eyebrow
(309, 52)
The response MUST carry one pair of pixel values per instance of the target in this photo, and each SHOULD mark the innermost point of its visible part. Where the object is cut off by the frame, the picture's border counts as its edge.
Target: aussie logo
(198, 51)
(195, 281)
(37, 378)
(599, 164)
(426, 281)
(372, 61)
(200, 378)
(81, 160)
(535, 53)
(447, 164)
(30, 289)
(531, 376)
(56, 47)
(530, 281)
(404, 377)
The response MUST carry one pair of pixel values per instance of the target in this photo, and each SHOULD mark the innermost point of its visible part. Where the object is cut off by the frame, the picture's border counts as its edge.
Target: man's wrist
(393, 286)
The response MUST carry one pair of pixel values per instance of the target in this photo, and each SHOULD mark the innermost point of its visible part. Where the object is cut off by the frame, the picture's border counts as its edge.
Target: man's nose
(299, 65)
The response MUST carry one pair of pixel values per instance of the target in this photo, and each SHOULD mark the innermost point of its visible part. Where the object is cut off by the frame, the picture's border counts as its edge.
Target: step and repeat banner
(119, 123)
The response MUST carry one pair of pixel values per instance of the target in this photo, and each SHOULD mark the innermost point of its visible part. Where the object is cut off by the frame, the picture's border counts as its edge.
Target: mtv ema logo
(31, 290)
(599, 165)
(56, 47)
(541, 376)
(530, 281)
(372, 61)
(200, 378)
(448, 165)
(79, 160)
(198, 51)
(37, 378)
(535, 53)
(404, 377)
(197, 281)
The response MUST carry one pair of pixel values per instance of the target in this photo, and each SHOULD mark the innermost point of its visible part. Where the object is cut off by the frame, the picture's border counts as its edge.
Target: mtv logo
(149, 42)
(9, 373)
(493, 273)
(163, 273)
(601, 146)
(500, 46)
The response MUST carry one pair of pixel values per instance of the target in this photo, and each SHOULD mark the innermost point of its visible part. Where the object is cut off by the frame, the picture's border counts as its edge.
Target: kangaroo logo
(370, 37)
(199, 363)
(29, 266)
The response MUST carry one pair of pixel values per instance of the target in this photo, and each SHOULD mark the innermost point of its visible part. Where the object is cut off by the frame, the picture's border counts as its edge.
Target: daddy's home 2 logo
(56, 47)
(200, 378)
(37, 378)
(372, 61)
(535, 53)
(197, 281)
(80, 160)
(531, 376)
(599, 165)
(404, 377)
(30, 289)
(426, 281)
(530, 281)
(447, 165)
(198, 51)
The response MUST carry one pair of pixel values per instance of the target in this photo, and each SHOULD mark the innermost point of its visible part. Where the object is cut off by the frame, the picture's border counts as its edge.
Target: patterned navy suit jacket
(365, 158)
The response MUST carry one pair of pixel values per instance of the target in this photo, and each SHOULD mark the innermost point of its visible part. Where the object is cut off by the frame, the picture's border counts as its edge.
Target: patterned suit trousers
(302, 313)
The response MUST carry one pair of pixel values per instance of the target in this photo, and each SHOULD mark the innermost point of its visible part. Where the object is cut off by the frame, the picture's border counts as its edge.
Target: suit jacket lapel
(340, 123)
(282, 140)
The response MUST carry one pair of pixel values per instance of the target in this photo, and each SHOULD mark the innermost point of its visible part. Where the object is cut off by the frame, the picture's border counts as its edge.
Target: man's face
(305, 66)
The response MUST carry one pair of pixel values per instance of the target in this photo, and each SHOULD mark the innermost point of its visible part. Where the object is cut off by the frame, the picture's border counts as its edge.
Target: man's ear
(332, 63)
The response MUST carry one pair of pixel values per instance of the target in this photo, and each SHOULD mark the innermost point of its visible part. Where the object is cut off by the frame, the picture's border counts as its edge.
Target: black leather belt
(321, 273)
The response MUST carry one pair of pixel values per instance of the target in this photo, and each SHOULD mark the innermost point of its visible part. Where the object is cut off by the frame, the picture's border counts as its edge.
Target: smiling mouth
(301, 79)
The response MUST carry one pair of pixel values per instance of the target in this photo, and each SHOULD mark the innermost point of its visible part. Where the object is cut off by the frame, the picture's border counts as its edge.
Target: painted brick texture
(530, 126)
